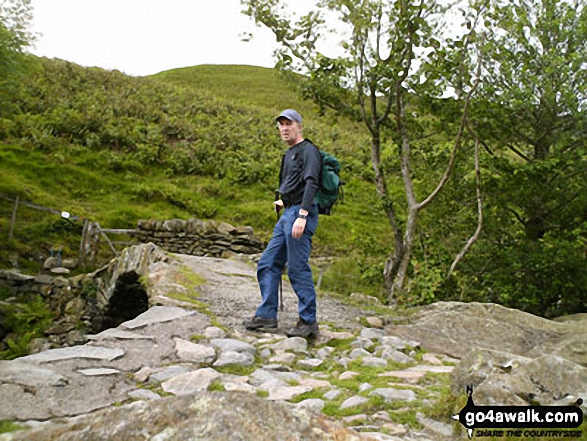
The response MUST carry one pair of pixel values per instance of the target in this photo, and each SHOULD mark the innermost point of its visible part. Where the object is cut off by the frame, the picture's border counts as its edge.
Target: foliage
(535, 169)
(393, 52)
(117, 149)
(25, 320)
(14, 38)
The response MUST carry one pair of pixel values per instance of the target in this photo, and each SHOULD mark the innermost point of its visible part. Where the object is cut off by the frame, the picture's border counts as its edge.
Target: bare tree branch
(477, 233)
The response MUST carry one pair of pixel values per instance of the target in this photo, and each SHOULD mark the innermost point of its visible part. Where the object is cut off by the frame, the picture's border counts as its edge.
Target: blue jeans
(284, 248)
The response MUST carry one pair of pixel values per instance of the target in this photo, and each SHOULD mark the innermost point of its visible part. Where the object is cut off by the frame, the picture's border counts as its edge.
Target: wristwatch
(302, 216)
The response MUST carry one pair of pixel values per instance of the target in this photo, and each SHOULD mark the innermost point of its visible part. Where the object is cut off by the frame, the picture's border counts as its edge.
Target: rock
(326, 336)
(37, 345)
(314, 384)
(359, 353)
(391, 394)
(285, 357)
(374, 362)
(157, 314)
(348, 375)
(230, 344)
(355, 419)
(143, 374)
(167, 373)
(274, 383)
(353, 402)
(507, 379)
(324, 353)
(362, 343)
(118, 334)
(191, 382)
(211, 416)
(332, 394)
(143, 394)
(60, 270)
(309, 363)
(295, 344)
(373, 333)
(365, 387)
(394, 342)
(195, 353)
(98, 372)
(374, 322)
(228, 358)
(406, 375)
(17, 372)
(314, 404)
(50, 262)
(214, 332)
(443, 429)
(232, 386)
(81, 352)
(456, 329)
(285, 393)
(432, 369)
(395, 356)
(431, 359)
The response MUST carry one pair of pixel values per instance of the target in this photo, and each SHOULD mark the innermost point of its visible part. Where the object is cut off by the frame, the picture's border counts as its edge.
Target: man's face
(291, 131)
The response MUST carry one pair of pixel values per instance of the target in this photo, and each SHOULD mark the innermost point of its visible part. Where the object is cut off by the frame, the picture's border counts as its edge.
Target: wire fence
(21, 220)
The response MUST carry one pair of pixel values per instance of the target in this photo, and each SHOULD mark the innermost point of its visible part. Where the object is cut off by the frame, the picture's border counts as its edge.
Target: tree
(393, 55)
(536, 80)
(14, 38)
(531, 112)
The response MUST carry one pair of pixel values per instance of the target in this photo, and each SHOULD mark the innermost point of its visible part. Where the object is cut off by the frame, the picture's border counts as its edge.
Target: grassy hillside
(194, 142)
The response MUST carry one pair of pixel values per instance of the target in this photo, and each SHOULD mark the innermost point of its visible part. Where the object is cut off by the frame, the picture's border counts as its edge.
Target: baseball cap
(290, 114)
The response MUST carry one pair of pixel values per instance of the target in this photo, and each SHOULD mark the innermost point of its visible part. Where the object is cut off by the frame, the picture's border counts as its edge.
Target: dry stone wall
(199, 238)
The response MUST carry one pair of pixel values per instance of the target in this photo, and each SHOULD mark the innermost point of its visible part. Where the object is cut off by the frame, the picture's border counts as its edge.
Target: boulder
(500, 378)
(213, 416)
(456, 329)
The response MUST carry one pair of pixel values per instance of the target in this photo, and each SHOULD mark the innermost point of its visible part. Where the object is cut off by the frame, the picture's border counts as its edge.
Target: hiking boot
(257, 323)
(303, 329)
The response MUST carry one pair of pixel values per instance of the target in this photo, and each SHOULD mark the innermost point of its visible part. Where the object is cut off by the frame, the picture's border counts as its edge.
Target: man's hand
(298, 228)
(278, 205)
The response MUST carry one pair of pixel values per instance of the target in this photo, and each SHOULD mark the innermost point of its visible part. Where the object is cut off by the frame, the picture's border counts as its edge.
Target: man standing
(291, 242)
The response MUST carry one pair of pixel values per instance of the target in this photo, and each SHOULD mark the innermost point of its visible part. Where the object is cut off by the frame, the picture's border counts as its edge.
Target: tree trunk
(409, 239)
(393, 261)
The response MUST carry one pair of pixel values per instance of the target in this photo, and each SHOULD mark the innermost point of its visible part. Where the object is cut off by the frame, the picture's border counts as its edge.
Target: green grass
(9, 426)
(197, 142)
(257, 86)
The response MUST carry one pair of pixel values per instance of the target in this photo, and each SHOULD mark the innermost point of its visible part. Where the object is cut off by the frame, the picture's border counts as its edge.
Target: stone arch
(129, 300)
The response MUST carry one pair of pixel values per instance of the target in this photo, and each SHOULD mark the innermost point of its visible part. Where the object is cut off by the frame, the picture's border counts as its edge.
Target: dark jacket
(299, 176)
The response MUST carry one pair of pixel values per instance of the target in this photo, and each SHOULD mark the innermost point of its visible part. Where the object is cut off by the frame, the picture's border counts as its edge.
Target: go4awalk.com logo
(518, 421)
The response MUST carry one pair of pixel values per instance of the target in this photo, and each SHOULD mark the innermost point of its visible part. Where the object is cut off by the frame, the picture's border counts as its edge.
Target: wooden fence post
(82, 245)
(13, 220)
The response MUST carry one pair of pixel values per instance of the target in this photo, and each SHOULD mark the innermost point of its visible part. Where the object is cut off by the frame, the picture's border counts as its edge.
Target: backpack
(330, 189)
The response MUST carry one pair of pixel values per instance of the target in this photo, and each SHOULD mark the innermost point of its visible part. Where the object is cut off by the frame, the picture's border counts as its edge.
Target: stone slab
(84, 351)
(119, 334)
(15, 372)
(157, 314)
(98, 372)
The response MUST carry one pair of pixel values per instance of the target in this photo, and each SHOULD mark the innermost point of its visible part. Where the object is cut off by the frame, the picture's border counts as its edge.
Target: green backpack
(330, 183)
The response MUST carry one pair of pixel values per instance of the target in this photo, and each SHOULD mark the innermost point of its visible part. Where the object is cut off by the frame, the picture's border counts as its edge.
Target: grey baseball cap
(290, 114)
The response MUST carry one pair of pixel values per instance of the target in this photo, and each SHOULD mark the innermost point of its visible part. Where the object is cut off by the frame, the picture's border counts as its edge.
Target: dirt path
(232, 292)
